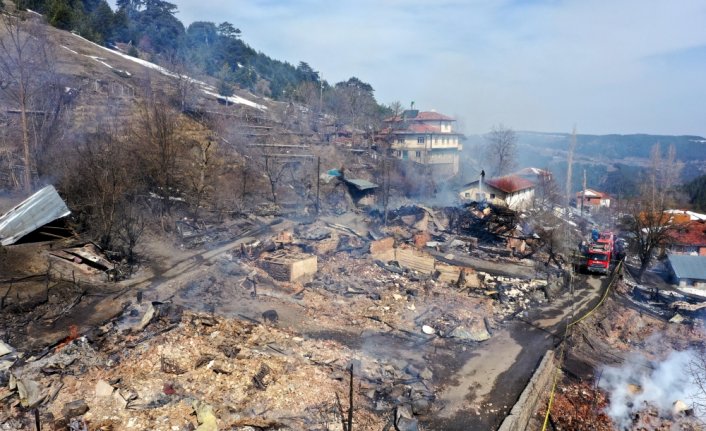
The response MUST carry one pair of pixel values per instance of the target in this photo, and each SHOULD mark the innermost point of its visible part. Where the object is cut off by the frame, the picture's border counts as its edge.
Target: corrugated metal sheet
(687, 266)
(41, 208)
(361, 184)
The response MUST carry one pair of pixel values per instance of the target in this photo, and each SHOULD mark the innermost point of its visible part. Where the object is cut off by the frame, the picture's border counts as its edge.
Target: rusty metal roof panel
(41, 208)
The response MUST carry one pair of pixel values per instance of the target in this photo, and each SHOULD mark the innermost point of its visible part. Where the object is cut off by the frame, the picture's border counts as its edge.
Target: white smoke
(640, 383)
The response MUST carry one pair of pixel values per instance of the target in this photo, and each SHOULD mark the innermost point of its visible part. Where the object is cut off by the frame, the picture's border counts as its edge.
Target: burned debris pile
(263, 327)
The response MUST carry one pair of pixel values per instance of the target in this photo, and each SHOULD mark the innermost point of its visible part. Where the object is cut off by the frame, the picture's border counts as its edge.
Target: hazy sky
(608, 66)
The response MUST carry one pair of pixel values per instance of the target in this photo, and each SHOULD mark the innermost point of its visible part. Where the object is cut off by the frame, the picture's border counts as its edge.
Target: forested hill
(150, 29)
(612, 163)
(617, 147)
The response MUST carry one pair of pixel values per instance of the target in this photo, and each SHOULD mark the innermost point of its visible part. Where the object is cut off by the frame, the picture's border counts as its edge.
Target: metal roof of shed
(688, 266)
(361, 184)
(41, 208)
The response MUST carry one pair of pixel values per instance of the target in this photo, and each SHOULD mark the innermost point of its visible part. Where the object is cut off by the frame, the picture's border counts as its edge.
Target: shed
(362, 191)
(40, 209)
(688, 270)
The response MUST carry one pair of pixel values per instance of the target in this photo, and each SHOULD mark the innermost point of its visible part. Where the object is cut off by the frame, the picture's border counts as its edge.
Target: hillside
(612, 162)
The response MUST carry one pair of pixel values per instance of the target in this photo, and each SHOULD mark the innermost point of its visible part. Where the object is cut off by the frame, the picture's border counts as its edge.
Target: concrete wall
(529, 403)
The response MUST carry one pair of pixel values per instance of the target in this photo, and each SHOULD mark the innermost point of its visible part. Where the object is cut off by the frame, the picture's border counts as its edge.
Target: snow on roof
(532, 171)
(590, 193)
(207, 89)
(693, 216)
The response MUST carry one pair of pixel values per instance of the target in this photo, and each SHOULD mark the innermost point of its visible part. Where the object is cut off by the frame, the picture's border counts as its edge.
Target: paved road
(479, 394)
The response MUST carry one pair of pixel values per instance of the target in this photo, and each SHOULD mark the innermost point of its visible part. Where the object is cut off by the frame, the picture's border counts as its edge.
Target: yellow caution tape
(617, 270)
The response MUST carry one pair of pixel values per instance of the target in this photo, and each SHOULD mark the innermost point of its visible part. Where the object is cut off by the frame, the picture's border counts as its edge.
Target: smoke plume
(640, 383)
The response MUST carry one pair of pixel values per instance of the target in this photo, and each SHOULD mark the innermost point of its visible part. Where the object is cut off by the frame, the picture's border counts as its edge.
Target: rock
(412, 370)
(428, 329)
(205, 417)
(404, 420)
(270, 316)
(74, 409)
(146, 318)
(421, 406)
(30, 393)
(128, 394)
(677, 318)
(426, 374)
(103, 389)
(6, 364)
(230, 351)
(4, 349)
(479, 334)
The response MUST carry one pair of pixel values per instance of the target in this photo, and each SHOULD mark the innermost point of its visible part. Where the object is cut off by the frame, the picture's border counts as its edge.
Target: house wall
(688, 282)
(520, 200)
(492, 195)
(688, 249)
(440, 148)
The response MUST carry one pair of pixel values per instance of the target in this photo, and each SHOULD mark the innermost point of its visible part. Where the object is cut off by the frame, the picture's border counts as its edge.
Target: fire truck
(598, 252)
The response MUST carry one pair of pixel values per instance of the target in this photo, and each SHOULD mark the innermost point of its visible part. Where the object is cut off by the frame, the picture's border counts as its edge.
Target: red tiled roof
(431, 116)
(422, 128)
(422, 116)
(510, 183)
(692, 233)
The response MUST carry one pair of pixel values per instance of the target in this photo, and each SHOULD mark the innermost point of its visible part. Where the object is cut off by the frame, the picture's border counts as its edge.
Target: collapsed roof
(41, 208)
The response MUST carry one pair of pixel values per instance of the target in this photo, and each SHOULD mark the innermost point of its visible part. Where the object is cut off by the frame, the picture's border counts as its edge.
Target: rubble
(261, 335)
(74, 409)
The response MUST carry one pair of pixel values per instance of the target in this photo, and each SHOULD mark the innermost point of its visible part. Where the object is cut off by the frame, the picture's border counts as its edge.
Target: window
(420, 140)
(468, 195)
(400, 140)
(418, 154)
(492, 196)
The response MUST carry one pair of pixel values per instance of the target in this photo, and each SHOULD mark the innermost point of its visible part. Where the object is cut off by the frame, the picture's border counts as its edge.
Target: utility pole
(583, 193)
(318, 183)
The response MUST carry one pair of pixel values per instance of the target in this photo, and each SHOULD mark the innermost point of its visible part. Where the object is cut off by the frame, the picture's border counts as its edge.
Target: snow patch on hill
(205, 88)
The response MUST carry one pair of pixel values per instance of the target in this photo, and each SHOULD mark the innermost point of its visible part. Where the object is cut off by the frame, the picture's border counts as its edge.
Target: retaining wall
(528, 403)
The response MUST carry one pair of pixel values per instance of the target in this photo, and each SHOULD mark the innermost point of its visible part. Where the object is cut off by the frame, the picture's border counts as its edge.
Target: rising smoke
(640, 383)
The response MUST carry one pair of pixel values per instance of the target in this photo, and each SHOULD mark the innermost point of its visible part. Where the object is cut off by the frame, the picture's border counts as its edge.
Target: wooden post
(350, 400)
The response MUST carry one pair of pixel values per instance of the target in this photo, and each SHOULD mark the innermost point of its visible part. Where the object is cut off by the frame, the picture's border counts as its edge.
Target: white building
(512, 191)
(427, 138)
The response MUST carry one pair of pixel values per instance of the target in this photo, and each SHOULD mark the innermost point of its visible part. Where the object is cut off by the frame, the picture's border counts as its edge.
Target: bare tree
(185, 86)
(697, 370)
(202, 172)
(547, 193)
(100, 177)
(25, 64)
(160, 144)
(648, 221)
(501, 150)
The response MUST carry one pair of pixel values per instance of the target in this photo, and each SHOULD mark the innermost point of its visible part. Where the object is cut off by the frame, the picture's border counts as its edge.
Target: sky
(604, 66)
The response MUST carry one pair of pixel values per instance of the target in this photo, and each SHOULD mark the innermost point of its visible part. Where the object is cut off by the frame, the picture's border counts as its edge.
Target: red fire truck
(599, 252)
